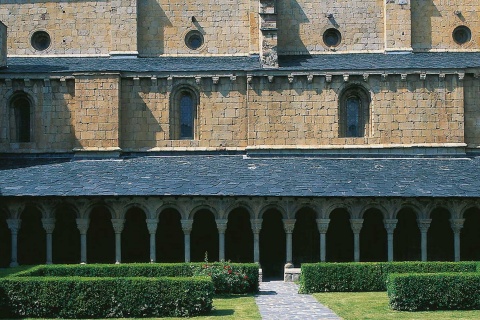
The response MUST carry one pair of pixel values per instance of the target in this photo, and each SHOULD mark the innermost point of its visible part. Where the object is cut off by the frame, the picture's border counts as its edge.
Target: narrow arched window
(21, 118)
(183, 113)
(354, 105)
(186, 116)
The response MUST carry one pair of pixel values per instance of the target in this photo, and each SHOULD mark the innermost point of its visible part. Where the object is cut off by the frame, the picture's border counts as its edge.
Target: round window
(194, 39)
(332, 37)
(462, 35)
(40, 40)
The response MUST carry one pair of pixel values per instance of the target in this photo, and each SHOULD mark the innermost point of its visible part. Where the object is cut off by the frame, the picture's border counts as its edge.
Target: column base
(13, 264)
(117, 262)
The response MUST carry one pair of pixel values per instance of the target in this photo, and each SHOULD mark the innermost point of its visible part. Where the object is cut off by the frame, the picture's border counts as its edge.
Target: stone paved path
(280, 300)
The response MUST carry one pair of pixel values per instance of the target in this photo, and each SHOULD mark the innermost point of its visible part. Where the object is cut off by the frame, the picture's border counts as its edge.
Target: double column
(14, 225)
(82, 225)
(289, 225)
(187, 230)
(457, 225)
(424, 225)
(49, 226)
(256, 228)
(118, 228)
(221, 227)
(356, 225)
(390, 225)
(322, 225)
(152, 225)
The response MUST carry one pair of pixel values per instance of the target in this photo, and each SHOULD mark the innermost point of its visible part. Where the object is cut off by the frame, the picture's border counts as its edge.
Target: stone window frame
(18, 124)
(36, 36)
(363, 96)
(175, 112)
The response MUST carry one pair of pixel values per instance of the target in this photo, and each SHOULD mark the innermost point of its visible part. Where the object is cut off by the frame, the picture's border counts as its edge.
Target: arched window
(354, 106)
(20, 118)
(183, 114)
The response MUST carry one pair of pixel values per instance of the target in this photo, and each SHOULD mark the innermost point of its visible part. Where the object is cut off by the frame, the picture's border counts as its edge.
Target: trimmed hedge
(440, 291)
(368, 276)
(76, 297)
(148, 270)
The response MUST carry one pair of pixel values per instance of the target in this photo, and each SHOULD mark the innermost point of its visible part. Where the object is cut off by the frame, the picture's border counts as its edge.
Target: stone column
(187, 229)
(256, 228)
(356, 225)
(322, 225)
(82, 225)
(14, 226)
(49, 226)
(423, 225)
(222, 227)
(457, 225)
(390, 225)
(118, 228)
(152, 225)
(289, 225)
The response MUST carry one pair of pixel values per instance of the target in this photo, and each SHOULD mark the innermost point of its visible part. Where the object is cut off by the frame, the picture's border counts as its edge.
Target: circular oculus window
(194, 39)
(40, 40)
(462, 35)
(332, 37)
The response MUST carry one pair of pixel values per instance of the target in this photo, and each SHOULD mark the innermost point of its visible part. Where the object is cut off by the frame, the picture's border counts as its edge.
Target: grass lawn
(374, 305)
(225, 307)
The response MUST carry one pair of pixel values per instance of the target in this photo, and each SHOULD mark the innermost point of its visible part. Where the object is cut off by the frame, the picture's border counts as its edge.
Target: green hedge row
(222, 283)
(368, 276)
(440, 291)
(76, 297)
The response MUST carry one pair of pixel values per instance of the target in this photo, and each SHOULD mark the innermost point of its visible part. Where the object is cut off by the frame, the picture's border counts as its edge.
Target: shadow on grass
(221, 313)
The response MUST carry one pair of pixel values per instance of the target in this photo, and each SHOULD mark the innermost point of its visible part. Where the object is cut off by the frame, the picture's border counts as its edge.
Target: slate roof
(234, 175)
(325, 62)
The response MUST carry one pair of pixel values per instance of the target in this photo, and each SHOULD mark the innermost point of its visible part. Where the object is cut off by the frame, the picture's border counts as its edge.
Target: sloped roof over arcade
(324, 62)
(236, 175)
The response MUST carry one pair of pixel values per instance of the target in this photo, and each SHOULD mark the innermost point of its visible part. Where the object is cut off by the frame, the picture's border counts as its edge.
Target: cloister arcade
(270, 231)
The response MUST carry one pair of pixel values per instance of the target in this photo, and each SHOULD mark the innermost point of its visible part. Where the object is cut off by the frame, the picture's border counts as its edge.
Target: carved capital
(424, 224)
(356, 225)
(48, 224)
(457, 224)
(288, 225)
(14, 225)
(16, 209)
(390, 225)
(152, 225)
(322, 225)
(256, 225)
(221, 225)
(82, 225)
(187, 226)
(118, 225)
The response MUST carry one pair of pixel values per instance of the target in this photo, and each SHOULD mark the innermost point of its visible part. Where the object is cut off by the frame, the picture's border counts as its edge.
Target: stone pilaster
(14, 226)
(187, 226)
(123, 28)
(49, 226)
(289, 225)
(152, 225)
(390, 225)
(457, 225)
(268, 34)
(424, 225)
(356, 225)
(398, 26)
(322, 225)
(118, 228)
(221, 227)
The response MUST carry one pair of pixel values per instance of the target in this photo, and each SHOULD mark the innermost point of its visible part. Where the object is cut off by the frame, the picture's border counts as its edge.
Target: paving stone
(281, 300)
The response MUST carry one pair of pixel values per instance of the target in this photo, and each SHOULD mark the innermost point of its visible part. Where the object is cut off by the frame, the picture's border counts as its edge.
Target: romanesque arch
(169, 237)
(66, 237)
(306, 238)
(204, 236)
(239, 236)
(100, 236)
(272, 244)
(373, 237)
(440, 236)
(339, 237)
(406, 237)
(5, 240)
(31, 237)
(470, 235)
(135, 237)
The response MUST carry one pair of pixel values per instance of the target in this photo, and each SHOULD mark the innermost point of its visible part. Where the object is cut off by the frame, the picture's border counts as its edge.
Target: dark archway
(339, 237)
(272, 245)
(204, 237)
(440, 236)
(66, 237)
(100, 237)
(470, 236)
(373, 237)
(5, 241)
(135, 237)
(169, 238)
(406, 237)
(306, 238)
(31, 238)
(239, 237)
